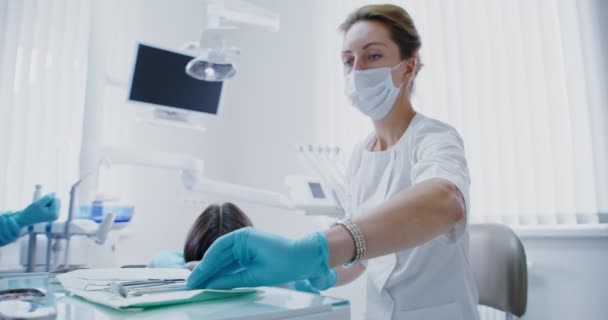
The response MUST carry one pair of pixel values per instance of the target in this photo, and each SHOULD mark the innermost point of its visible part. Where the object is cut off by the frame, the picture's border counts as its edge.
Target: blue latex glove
(9, 229)
(42, 210)
(249, 258)
(169, 259)
(324, 281)
(301, 285)
(316, 284)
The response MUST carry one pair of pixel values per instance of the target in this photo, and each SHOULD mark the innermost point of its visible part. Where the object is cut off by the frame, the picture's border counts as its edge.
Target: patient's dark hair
(214, 222)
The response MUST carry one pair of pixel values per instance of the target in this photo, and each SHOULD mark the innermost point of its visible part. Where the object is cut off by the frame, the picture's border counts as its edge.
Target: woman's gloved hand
(249, 258)
(9, 229)
(168, 259)
(316, 284)
(324, 281)
(42, 210)
(192, 264)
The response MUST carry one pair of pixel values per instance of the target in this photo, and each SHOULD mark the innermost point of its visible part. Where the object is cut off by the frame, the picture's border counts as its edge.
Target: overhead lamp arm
(234, 13)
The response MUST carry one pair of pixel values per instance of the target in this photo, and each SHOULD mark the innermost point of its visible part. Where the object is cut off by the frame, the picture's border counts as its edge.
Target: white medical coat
(432, 281)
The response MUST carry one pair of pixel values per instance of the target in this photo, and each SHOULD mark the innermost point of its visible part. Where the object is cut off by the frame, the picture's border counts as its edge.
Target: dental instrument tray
(138, 289)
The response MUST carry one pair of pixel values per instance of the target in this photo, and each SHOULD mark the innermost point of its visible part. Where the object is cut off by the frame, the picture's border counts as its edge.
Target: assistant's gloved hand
(168, 259)
(249, 258)
(42, 210)
(9, 229)
(316, 284)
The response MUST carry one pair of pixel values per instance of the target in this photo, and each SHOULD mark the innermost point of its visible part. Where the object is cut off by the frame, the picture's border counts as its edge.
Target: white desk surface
(270, 303)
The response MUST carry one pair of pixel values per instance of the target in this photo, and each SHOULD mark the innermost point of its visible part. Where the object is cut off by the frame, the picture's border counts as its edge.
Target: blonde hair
(399, 23)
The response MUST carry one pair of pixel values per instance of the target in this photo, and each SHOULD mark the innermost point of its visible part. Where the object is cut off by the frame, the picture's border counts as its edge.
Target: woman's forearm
(410, 218)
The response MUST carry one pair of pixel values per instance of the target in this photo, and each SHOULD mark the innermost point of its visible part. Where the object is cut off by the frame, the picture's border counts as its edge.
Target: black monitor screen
(317, 190)
(159, 77)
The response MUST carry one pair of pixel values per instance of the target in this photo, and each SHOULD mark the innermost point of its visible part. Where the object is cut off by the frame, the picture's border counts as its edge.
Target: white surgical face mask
(372, 91)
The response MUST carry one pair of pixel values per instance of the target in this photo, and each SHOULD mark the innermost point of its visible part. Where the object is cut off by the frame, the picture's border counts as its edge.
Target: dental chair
(499, 267)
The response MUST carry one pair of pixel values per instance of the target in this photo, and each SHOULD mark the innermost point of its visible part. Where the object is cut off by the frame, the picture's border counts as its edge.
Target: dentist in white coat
(406, 223)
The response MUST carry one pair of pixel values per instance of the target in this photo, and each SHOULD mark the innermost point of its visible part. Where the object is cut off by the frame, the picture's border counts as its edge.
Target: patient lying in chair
(214, 222)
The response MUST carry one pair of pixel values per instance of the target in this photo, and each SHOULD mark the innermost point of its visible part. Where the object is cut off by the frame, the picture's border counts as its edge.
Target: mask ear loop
(395, 67)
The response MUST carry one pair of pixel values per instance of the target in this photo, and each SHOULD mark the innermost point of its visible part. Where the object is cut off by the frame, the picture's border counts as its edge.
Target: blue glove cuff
(9, 229)
(313, 249)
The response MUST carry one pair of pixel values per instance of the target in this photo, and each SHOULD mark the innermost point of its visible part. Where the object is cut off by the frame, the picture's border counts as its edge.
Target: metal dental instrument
(141, 287)
(31, 244)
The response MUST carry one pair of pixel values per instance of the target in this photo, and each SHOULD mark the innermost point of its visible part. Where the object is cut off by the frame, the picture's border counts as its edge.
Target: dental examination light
(214, 61)
(213, 64)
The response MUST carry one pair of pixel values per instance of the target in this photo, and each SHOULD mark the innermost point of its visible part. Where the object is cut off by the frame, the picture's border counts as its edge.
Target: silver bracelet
(360, 247)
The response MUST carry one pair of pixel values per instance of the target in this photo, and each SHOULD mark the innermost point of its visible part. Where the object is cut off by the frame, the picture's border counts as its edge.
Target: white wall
(566, 276)
(231, 147)
(266, 110)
